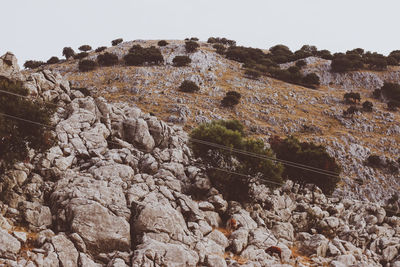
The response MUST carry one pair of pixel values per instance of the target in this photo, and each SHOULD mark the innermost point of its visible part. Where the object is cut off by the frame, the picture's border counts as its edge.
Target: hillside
(121, 187)
(268, 106)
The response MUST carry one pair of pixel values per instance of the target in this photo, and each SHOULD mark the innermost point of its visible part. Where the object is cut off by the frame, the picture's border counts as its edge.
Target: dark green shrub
(162, 43)
(310, 154)
(33, 64)
(293, 69)
(375, 161)
(17, 136)
(87, 65)
(189, 87)
(393, 105)
(377, 93)
(100, 49)
(116, 41)
(367, 106)
(195, 39)
(392, 61)
(53, 60)
(107, 59)
(391, 91)
(352, 97)
(191, 46)
(231, 99)
(395, 54)
(139, 56)
(68, 52)
(220, 49)
(350, 111)
(252, 74)
(350, 61)
(181, 61)
(85, 48)
(325, 54)
(375, 61)
(311, 79)
(81, 55)
(300, 63)
(218, 40)
(231, 184)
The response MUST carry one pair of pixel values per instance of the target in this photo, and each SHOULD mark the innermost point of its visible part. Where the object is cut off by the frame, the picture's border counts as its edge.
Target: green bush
(220, 49)
(16, 136)
(300, 63)
(139, 56)
(188, 87)
(81, 55)
(218, 40)
(162, 43)
(393, 105)
(116, 41)
(367, 106)
(350, 111)
(377, 93)
(231, 99)
(252, 74)
(310, 154)
(87, 65)
(195, 39)
(85, 48)
(107, 59)
(229, 134)
(53, 60)
(33, 64)
(311, 79)
(68, 52)
(191, 46)
(181, 61)
(391, 91)
(100, 49)
(352, 97)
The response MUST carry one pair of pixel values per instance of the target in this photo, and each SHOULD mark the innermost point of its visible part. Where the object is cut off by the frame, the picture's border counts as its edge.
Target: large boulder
(154, 253)
(67, 253)
(9, 245)
(137, 132)
(101, 230)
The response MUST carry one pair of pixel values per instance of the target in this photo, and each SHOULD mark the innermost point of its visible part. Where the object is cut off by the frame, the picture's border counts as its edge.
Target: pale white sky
(39, 29)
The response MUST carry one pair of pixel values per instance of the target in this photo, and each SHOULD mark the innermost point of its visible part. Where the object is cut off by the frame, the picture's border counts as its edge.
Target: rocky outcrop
(121, 188)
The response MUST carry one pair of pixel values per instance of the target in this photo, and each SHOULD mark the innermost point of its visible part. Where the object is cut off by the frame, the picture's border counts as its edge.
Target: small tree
(310, 154)
(229, 134)
(300, 63)
(87, 65)
(189, 87)
(311, 79)
(81, 55)
(220, 49)
(53, 60)
(68, 52)
(252, 74)
(33, 64)
(162, 43)
(116, 41)
(181, 61)
(100, 49)
(231, 99)
(107, 59)
(367, 106)
(85, 48)
(350, 111)
(352, 97)
(17, 136)
(191, 46)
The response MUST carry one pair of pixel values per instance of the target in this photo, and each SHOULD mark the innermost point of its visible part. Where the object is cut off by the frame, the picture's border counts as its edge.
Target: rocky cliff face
(118, 190)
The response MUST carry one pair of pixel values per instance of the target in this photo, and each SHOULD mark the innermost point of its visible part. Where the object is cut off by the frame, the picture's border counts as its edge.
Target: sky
(39, 29)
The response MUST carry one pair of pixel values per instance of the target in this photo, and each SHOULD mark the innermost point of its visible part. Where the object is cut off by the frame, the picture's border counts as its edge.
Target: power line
(224, 170)
(285, 162)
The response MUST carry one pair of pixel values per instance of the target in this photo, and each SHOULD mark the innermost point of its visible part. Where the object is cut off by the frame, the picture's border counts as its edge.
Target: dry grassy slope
(268, 106)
